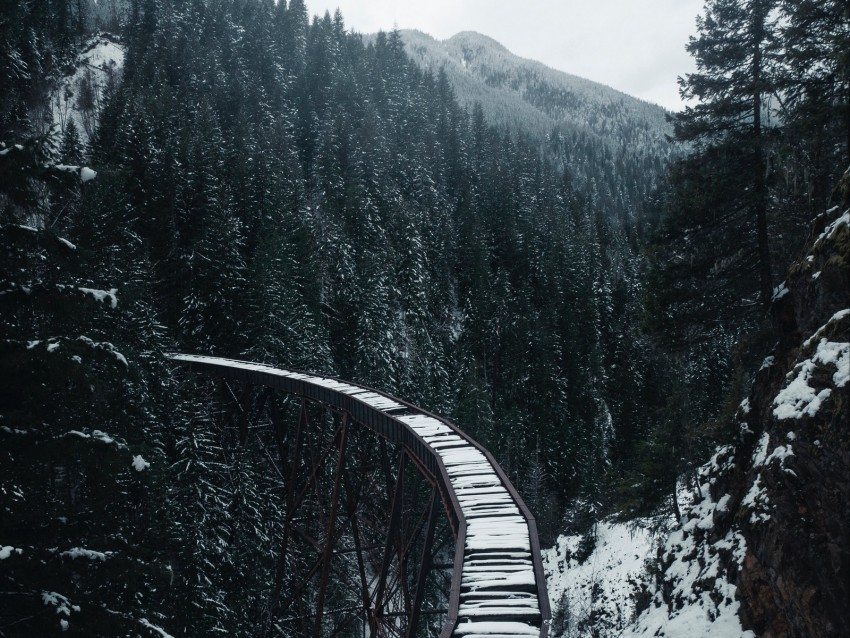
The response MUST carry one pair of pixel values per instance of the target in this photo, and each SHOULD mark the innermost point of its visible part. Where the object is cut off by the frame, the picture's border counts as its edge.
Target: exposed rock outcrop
(766, 549)
(796, 575)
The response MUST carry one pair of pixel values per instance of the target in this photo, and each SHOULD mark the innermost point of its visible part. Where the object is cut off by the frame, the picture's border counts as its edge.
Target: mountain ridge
(421, 47)
(611, 144)
(469, 36)
(469, 33)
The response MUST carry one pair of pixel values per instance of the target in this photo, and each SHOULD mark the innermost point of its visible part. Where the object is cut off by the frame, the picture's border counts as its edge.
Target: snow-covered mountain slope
(523, 93)
(766, 551)
(612, 145)
(695, 596)
(79, 95)
(601, 584)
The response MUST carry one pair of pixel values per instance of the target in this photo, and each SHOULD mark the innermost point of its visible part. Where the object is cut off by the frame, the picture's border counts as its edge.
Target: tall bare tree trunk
(760, 185)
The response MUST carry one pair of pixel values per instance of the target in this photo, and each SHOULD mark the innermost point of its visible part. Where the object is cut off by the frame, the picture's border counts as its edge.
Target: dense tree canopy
(273, 187)
(277, 189)
(768, 137)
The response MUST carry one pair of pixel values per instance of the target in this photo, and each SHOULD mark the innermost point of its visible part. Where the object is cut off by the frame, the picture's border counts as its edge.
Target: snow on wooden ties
(498, 590)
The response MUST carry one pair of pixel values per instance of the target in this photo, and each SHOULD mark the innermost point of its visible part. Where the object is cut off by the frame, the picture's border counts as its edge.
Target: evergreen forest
(256, 183)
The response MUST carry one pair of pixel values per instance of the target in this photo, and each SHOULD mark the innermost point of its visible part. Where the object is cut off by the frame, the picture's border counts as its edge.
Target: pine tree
(733, 50)
(71, 148)
(765, 140)
(294, 25)
(815, 91)
(76, 454)
(198, 525)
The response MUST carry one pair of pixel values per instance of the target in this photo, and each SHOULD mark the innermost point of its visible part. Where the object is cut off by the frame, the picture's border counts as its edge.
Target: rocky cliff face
(765, 551)
(796, 574)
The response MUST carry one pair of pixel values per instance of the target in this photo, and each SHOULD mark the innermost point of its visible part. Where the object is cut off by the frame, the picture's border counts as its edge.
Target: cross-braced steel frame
(373, 540)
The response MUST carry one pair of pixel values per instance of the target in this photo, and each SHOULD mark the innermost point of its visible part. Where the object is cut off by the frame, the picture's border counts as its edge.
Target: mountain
(612, 144)
(526, 94)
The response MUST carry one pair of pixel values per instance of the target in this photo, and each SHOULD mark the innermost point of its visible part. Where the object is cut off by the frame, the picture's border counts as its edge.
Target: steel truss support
(391, 522)
(361, 533)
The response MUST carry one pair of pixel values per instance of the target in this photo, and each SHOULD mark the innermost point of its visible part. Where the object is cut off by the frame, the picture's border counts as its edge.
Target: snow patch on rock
(701, 601)
(758, 502)
(834, 226)
(799, 398)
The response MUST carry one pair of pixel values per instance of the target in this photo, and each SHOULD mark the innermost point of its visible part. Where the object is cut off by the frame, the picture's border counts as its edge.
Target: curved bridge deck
(498, 588)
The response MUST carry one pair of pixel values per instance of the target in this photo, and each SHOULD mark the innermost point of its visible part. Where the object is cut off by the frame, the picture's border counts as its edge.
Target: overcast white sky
(636, 46)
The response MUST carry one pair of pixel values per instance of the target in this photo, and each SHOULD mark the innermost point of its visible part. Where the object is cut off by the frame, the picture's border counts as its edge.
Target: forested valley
(245, 180)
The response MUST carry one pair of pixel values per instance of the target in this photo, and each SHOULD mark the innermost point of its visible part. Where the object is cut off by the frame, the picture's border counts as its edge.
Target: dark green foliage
(769, 137)
(79, 417)
(277, 189)
(71, 149)
(733, 50)
(815, 82)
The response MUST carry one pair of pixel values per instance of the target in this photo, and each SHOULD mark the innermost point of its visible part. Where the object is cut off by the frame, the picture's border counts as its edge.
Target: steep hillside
(595, 579)
(79, 94)
(523, 93)
(765, 550)
(613, 144)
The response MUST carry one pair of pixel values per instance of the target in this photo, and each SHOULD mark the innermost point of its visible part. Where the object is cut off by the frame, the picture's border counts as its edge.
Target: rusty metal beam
(329, 537)
(392, 532)
(424, 564)
(290, 491)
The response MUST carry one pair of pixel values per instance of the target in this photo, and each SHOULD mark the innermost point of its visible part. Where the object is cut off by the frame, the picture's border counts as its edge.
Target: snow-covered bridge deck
(498, 588)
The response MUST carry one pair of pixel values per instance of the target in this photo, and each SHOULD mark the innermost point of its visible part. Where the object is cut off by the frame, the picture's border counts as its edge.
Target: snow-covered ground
(700, 601)
(600, 591)
(79, 96)
(595, 593)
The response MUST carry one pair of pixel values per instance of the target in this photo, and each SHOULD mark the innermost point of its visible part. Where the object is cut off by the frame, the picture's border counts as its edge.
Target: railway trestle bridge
(396, 523)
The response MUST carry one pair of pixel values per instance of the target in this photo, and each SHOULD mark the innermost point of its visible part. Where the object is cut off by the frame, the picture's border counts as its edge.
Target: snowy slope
(599, 591)
(79, 95)
(701, 600)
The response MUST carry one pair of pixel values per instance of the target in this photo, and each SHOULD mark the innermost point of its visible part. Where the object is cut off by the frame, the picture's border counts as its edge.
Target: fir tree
(733, 51)
(815, 91)
(71, 148)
